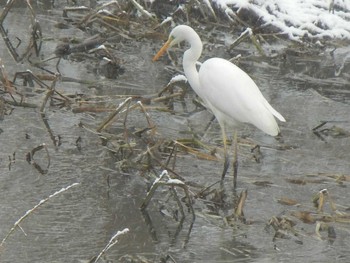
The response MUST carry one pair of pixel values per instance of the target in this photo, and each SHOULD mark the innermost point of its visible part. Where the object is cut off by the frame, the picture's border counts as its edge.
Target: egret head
(177, 35)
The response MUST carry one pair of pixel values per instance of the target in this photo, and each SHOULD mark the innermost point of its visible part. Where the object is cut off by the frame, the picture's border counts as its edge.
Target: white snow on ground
(298, 18)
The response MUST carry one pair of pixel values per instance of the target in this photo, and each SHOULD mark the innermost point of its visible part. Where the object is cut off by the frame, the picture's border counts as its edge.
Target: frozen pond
(308, 84)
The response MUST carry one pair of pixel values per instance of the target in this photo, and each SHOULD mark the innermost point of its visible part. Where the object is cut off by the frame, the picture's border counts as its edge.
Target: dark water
(76, 225)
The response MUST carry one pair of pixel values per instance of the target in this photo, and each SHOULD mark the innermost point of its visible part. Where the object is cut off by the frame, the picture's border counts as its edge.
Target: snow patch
(298, 18)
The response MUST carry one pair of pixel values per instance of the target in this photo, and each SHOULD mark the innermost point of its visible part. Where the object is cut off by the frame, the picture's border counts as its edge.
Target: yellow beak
(162, 50)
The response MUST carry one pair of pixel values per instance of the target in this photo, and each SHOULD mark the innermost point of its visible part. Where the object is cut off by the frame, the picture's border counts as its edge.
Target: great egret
(225, 89)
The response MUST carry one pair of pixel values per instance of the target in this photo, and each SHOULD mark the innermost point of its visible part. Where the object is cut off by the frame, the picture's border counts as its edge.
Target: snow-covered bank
(321, 19)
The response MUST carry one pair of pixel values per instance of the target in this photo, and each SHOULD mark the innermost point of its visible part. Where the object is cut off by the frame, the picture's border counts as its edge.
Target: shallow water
(76, 225)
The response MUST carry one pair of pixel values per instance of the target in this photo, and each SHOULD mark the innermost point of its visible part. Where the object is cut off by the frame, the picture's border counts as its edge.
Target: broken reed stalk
(93, 13)
(151, 191)
(196, 153)
(55, 139)
(243, 36)
(17, 223)
(322, 196)
(112, 242)
(121, 106)
(4, 32)
(35, 34)
(172, 153)
(150, 124)
(49, 94)
(178, 201)
(154, 158)
(239, 209)
(164, 98)
(8, 87)
(169, 182)
(30, 158)
(125, 104)
(172, 183)
(143, 11)
(22, 104)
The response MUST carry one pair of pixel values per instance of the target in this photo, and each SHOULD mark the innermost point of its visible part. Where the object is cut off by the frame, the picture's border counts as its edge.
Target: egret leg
(235, 160)
(226, 162)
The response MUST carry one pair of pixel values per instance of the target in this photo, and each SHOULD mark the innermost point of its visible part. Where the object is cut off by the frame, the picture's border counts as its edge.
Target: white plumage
(225, 89)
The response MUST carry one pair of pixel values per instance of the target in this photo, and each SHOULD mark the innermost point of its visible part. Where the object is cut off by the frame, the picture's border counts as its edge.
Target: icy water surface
(307, 86)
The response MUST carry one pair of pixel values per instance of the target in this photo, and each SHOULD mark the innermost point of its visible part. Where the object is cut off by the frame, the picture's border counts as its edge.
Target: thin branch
(17, 223)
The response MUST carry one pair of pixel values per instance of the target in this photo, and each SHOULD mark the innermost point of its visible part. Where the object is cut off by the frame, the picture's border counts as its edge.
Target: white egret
(225, 89)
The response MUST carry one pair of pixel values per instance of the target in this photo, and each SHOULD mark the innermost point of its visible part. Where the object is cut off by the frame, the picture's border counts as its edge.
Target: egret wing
(233, 96)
